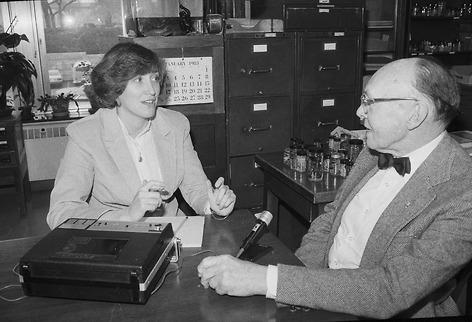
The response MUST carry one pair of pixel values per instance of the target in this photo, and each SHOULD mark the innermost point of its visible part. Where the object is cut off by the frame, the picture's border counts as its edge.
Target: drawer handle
(335, 122)
(251, 71)
(5, 159)
(322, 68)
(253, 185)
(251, 129)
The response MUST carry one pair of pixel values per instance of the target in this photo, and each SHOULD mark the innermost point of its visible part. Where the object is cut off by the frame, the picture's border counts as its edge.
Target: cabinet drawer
(320, 114)
(8, 159)
(259, 124)
(247, 181)
(329, 63)
(304, 17)
(260, 66)
(6, 138)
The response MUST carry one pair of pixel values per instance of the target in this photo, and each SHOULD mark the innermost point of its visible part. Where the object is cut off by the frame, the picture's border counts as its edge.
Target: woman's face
(139, 99)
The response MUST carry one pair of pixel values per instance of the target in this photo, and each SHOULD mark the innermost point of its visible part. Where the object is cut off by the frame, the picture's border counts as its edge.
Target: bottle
(344, 144)
(337, 143)
(293, 153)
(331, 142)
(335, 163)
(301, 160)
(343, 168)
(326, 161)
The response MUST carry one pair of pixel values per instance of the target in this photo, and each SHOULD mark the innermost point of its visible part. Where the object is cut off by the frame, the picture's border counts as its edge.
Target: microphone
(263, 220)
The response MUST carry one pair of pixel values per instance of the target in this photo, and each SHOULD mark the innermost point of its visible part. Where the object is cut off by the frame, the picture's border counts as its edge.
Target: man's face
(386, 120)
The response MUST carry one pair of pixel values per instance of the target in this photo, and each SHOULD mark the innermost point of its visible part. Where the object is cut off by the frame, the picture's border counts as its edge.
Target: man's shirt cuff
(271, 280)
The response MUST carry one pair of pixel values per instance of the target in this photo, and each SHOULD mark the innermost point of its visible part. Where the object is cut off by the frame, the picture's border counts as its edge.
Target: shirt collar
(144, 130)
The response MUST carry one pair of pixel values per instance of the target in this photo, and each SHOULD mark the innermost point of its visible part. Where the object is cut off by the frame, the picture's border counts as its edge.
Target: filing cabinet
(13, 164)
(327, 61)
(248, 181)
(323, 14)
(259, 124)
(329, 85)
(260, 87)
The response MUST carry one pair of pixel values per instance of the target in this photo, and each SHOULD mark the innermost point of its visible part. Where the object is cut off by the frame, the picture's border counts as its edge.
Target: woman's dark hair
(435, 81)
(120, 64)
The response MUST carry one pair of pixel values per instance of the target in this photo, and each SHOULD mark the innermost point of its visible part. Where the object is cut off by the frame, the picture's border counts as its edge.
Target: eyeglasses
(366, 101)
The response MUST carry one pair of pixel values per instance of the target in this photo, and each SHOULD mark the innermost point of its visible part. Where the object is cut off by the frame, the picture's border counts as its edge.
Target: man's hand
(222, 198)
(229, 275)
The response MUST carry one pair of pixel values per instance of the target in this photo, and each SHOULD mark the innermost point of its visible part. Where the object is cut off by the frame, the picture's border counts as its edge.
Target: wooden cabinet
(259, 87)
(13, 164)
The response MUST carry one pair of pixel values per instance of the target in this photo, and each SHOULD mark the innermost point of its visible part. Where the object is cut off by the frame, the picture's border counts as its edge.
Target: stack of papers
(189, 229)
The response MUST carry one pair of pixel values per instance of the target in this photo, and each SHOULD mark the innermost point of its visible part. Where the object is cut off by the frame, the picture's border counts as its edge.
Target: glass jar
(316, 167)
(301, 160)
(326, 161)
(293, 153)
(336, 143)
(335, 163)
(344, 144)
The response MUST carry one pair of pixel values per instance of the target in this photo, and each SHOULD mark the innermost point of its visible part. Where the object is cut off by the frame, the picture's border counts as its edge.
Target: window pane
(77, 34)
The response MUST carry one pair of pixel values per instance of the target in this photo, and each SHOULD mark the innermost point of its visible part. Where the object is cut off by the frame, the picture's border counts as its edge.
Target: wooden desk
(292, 198)
(181, 298)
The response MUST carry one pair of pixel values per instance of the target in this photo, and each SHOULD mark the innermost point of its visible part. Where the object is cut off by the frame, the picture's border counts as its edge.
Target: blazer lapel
(115, 143)
(164, 140)
(409, 203)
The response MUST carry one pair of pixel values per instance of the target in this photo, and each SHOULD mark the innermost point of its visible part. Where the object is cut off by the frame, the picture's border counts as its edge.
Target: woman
(131, 156)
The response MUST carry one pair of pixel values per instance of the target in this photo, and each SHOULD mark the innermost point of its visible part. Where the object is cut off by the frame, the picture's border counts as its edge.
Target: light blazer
(97, 174)
(420, 241)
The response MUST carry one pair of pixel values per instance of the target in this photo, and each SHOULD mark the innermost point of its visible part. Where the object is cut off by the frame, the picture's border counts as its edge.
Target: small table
(293, 199)
(180, 298)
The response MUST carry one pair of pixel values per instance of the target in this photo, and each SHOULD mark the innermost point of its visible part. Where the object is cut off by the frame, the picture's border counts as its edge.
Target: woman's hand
(222, 198)
(148, 198)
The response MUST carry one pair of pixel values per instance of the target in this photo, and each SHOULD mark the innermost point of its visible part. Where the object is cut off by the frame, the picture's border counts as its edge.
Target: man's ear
(418, 114)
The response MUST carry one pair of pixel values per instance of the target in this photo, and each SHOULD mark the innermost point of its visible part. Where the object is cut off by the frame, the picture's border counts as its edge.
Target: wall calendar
(188, 80)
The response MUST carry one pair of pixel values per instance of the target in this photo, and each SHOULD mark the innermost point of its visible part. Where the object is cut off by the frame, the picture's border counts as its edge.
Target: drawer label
(259, 48)
(328, 102)
(323, 10)
(329, 46)
(3, 142)
(259, 107)
(324, 1)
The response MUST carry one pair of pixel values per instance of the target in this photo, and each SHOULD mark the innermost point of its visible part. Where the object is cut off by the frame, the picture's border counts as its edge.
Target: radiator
(45, 144)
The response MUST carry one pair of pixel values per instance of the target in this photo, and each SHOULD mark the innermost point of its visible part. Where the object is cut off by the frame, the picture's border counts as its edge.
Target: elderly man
(394, 236)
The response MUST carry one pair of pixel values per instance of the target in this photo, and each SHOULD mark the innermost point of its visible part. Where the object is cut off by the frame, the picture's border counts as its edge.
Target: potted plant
(16, 72)
(58, 103)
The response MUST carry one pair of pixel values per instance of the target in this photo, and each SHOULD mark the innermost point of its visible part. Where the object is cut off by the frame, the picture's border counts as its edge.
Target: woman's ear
(418, 115)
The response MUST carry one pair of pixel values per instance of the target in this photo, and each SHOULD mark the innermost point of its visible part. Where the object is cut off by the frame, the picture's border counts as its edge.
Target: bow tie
(402, 165)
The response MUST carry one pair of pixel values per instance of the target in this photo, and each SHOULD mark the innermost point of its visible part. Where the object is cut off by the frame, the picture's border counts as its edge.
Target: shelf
(436, 18)
(379, 52)
(379, 28)
(441, 54)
